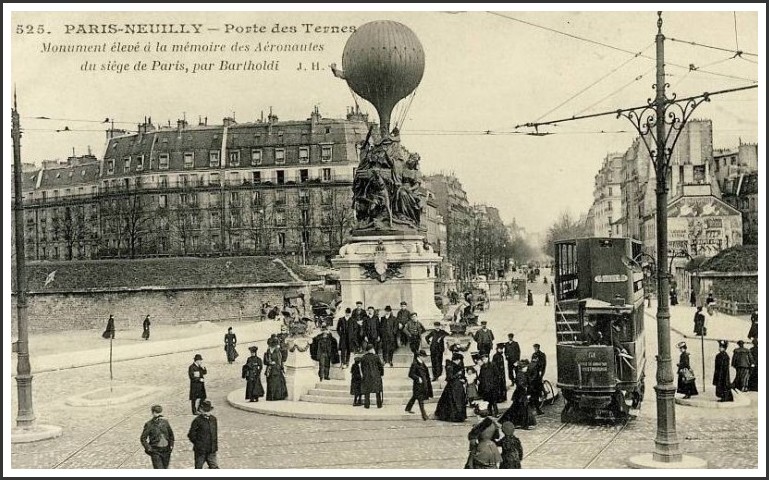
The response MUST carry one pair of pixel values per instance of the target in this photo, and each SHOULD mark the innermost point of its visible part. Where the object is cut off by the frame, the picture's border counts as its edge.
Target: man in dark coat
(371, 329)
(537, 378)
(372, 370)
(422, 388)
(157, 438)
(146, 328)
(204, 436)
(487, 384)
(324, 351)
(753, 379)
(358, 312)
(484, 338)
(529, 299)
(452, 403)
(721, 374)
(403, 317)
(591, 335)
(498, 361)
(344, 341)
(699, 323)
(274, 375)
(388, 333)
(437, 340)
(109, 332)
(353, 333)
(512, 355)
(741, 361)
(197, 372)
(693, 298)
(251, 372)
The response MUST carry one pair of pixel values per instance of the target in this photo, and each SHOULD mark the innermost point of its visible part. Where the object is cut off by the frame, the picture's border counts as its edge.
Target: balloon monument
(383, 62)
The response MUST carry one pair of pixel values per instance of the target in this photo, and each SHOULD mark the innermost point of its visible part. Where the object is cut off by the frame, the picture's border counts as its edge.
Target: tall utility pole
(26, 414)
(659, 124)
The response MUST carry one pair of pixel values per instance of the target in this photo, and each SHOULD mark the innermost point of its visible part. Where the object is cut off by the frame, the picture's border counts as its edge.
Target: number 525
(28, 29)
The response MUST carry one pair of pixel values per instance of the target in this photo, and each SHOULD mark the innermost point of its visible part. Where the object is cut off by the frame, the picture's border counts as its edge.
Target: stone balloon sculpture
(383, 62)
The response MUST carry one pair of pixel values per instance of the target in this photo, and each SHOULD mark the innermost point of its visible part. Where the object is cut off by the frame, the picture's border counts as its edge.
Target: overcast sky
(483, 72)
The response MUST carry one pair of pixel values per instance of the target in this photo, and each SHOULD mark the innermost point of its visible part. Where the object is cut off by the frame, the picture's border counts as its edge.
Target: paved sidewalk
(720, 326)
(211, 335)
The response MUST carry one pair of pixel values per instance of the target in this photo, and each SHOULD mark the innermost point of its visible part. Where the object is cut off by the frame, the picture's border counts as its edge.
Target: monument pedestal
(301, 370)
(382, 270)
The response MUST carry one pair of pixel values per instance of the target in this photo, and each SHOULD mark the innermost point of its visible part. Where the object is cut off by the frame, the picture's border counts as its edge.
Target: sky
(483, 73)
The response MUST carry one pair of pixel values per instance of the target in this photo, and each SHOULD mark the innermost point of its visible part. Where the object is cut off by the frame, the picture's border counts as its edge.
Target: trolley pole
(26, 414)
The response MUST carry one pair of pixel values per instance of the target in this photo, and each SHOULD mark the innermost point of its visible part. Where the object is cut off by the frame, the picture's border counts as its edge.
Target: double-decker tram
(599, 322)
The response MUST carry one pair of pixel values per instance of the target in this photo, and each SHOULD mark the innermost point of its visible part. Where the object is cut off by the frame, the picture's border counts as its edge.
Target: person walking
(109, 332)
(498, 362)
(520, 413)
(453, 400)
(146, 328)
(512, 450)
(693, 298)
(273, 373)
(686, 380)
(529, 299)
(537, 378)
(741, 361)
(512, 355)
(487, 385)
(422, 389)
(204, 436)
(721, 374)
(197, 372)
(342, 326)
(484, 338)
(437, 341)
(414, 330)
(323, 350)
(710, 304)
(547, 298)
(372, 371)
(251, 372)
(356, 382)
(230, 341)
(388, 333)
(699, 323)
(157, 438)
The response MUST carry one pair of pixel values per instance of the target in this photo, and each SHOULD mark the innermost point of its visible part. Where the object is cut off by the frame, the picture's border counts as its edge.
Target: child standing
(512, 450)
(356, 378)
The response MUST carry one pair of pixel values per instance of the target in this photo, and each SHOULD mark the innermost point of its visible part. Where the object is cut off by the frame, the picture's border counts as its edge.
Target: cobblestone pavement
(108, 437)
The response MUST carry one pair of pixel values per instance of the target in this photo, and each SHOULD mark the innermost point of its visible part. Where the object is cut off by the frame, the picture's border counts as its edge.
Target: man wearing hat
(437, 341)
(414, 329)
(512, 355)
(484, 338)
(251, 372)
(753, 378)
(722, 375)
(422, 389)
(324, 351)
(371, 328)
(355, 331)
(342, 325)
(197, 372)
(741, 361)
(204, 436)
(753, 330)
(372, 371)
(537, 377)
(388, 334)
(403, 318)
(488, 385)
(157, 438)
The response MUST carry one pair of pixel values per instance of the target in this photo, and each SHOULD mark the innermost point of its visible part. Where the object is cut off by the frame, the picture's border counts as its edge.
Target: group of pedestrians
(109, 330)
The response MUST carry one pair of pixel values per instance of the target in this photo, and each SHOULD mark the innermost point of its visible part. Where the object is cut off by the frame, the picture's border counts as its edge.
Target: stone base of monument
(301, 370)
(35, 433)
(382, 270)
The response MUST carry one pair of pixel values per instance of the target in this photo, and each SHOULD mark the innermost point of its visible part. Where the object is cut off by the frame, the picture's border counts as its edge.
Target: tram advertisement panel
(586, 366)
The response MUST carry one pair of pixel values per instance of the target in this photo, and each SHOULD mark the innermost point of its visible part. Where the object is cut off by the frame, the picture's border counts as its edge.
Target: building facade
(737, 175)
(607, 198)
(264, 187)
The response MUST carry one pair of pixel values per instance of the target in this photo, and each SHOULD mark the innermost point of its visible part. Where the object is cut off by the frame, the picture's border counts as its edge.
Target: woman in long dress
(146, 328)
(230, 340)
(452, 404)
(109, 332)
(252, 372)
(687, 387)
(520, 412)
(276, 380)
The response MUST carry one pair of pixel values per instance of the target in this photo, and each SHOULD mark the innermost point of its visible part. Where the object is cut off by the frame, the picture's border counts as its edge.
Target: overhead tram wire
(695, 44)
(619, 49)
(636, 79)
(106, 120)
(602, 77)
(623, 110)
